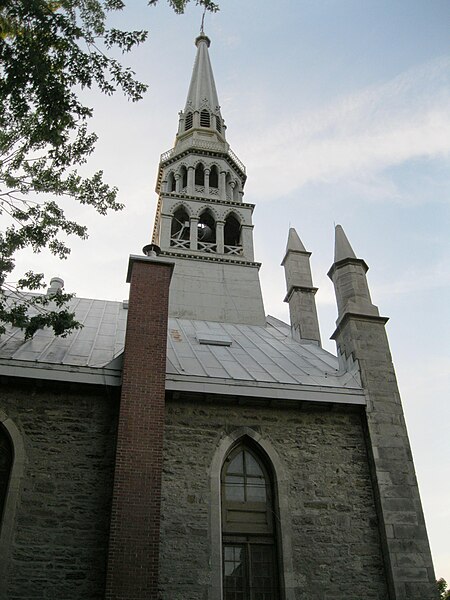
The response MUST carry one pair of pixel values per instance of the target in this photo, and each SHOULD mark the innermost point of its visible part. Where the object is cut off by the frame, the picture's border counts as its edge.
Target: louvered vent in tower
(188, 121)
(205, 119)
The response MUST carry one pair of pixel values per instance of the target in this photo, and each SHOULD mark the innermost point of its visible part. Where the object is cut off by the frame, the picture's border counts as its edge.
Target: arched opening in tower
(232, 231)
(184, 177)
(199, 174)
(180, 226)
(171, 183)
(214, 177)
(207, 228)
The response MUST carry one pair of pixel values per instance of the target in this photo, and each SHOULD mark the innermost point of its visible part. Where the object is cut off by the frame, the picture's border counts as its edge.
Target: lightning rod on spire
(203, 21)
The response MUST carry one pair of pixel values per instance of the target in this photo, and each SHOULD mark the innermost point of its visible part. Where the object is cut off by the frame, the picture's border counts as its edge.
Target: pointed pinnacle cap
(342, 247)
(294, 243)
(202, 89)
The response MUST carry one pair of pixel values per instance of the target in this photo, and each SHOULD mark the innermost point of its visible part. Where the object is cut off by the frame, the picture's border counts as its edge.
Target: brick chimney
(133, 560)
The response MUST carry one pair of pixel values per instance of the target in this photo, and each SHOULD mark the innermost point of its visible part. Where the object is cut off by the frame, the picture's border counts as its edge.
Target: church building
(183, 445)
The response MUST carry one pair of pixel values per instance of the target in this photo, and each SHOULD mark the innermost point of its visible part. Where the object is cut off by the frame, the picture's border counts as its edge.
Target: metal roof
(258, 354)
(199, 354)
(96, 344)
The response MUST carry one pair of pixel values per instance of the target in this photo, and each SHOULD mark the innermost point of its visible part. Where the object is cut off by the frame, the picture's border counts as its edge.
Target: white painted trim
(215, 516)
(7, 525)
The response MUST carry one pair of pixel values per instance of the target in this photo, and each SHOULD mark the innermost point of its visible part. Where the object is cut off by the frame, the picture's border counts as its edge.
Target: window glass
(237, 464)
(244, 479)
(249, 572)
(256, 491)
(248, 530)
(235, 572)
(234, 488)
(252, 467)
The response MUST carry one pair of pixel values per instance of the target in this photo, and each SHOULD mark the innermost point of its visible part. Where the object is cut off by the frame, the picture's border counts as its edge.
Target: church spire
(202, 107)
(202, 222)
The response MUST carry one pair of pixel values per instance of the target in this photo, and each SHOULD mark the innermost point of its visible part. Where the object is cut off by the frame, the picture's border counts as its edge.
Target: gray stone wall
(407, 551)
(333, 525)
(62, 514)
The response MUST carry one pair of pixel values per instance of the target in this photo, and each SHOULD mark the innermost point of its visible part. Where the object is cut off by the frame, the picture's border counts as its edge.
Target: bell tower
(202, 222)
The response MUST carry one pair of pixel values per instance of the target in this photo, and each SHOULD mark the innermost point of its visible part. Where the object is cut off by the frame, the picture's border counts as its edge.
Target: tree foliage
(444, 592)
(49, 50)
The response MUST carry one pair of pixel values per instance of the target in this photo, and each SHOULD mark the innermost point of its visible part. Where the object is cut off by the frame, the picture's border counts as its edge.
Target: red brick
(133, 561)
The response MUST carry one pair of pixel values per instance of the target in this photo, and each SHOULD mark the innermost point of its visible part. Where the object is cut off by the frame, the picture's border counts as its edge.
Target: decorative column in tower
(361, 334)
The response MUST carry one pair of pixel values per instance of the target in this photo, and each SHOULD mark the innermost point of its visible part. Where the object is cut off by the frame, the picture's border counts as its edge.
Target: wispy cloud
(356, 136)
(434, 276)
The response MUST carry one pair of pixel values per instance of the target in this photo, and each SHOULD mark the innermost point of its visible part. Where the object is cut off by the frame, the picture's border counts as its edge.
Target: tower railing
(207, 246)
(176, 243)
(236, 250)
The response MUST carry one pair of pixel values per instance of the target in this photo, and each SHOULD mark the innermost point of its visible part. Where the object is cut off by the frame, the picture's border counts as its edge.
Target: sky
(340, 110)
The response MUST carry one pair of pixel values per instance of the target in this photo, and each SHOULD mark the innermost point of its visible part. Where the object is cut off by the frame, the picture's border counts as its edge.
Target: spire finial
(203, 22)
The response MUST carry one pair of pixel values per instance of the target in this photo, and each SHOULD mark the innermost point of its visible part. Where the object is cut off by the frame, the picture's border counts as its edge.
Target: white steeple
(202, 222)
(202, 109)
(202, 90)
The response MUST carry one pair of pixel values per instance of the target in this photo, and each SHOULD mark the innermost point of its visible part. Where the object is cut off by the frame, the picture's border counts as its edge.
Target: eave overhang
(54, 372)
(268, 391)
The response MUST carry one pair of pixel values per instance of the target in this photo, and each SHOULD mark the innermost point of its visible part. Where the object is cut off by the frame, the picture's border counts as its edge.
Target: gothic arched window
(214, 177)
(248, 527)
(188, 121)
(205, 119)
(232, 231)
(218, 124)
(199, 174)
(6, 458)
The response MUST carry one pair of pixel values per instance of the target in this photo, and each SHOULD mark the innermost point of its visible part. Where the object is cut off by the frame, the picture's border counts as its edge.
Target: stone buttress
(361, 336)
